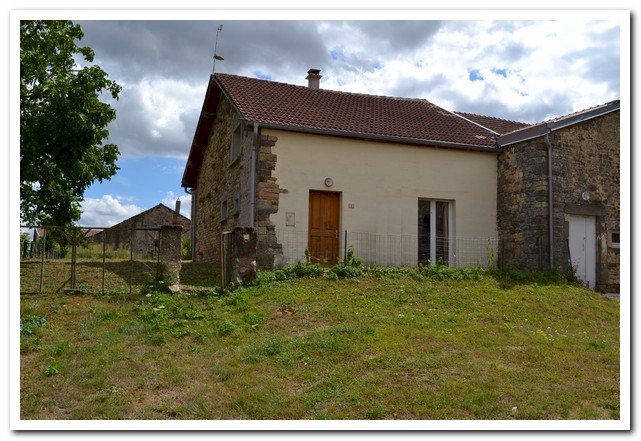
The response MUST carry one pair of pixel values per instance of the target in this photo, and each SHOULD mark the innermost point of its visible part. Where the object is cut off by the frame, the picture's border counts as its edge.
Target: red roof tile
(357, 115)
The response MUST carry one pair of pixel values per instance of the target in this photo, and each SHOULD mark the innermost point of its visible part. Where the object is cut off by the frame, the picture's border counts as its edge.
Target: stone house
(408, 181)
(559, 195)
(142, 230)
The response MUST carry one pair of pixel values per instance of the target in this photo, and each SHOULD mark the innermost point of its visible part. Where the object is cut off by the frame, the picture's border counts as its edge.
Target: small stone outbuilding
(558, 198)
(142, 230)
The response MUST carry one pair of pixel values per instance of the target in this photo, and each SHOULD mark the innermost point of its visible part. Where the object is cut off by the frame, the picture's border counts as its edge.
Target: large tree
(62, 122)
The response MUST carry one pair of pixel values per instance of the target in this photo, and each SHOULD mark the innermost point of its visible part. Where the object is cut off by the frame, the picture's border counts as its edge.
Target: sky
(522, 70)
(515, 69)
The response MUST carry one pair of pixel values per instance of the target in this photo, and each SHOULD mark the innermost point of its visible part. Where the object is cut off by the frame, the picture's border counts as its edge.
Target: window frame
(235, 144)
(433, 250)
(617, 243)
(224, 208)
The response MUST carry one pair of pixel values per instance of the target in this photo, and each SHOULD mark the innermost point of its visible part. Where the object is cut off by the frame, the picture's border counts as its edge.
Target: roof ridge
(341, 92)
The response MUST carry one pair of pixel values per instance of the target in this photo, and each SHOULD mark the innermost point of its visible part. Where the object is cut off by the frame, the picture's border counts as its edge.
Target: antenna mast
(216, 56)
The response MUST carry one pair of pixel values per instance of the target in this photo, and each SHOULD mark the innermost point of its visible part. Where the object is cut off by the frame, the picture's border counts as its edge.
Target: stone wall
(522, 205)
(171, 252)
(243, 254)
(585, 159)
(267, 197)
(220, 182)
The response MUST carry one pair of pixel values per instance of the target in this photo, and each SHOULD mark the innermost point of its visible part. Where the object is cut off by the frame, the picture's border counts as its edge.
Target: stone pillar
(243, 255)
(171, 252)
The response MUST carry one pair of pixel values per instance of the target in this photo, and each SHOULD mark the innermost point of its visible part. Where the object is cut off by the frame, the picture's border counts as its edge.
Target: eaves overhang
(199, 142)
(374, 137)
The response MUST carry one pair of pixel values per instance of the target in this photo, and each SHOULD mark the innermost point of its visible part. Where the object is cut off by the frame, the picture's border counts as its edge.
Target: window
(616, 239)
(434, 228)
(234, 148)
(223, 208)
(236, 203)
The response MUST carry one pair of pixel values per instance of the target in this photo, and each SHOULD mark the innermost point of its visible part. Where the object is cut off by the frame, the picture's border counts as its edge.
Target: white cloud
(521, 66)
(185, 203)
(157, 117)
(106, 211)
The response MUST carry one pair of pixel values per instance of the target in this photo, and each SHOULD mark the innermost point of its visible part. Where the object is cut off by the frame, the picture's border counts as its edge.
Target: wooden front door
(324, 215)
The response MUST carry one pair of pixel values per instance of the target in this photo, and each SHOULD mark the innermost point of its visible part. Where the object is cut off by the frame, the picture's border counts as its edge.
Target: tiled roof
(497, 125)
(301, 108)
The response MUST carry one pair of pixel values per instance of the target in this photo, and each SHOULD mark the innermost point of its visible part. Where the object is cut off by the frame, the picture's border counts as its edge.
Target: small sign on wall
(290, 219)
(350, 205)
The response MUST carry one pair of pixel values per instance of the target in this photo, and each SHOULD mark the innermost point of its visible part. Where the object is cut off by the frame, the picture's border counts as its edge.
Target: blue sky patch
(502, 72)
(262, 75)
(338, 54)
(475, 75)
(144, 180)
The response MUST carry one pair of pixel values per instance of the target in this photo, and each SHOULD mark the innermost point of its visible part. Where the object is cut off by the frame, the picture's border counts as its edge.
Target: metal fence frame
(76, 240)
(395, 250)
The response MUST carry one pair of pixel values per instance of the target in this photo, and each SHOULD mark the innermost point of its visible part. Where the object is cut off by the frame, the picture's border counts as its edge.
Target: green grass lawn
(386, 345)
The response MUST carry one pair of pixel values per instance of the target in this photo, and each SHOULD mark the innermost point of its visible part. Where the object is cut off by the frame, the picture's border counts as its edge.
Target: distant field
(380, 346)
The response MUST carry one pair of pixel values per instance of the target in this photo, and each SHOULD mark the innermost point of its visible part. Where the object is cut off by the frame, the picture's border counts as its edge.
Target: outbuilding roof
(551, 125)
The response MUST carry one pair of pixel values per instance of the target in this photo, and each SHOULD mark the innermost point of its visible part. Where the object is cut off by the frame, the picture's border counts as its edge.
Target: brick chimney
(314, 76)
(177, 212)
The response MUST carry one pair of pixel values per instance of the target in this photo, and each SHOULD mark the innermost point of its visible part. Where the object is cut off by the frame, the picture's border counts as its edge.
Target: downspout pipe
(252, 186)
(190, 192)
(550, 205)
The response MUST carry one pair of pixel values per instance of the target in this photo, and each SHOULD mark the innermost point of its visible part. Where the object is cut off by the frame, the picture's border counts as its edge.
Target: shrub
(442, 272)
(345, 271)
(186, 248)
(30, 323)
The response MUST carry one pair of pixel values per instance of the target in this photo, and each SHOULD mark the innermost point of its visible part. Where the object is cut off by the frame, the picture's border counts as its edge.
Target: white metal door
(583, 248)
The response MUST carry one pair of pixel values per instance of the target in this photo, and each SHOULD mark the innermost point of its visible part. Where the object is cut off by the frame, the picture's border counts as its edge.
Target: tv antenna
(216, 56)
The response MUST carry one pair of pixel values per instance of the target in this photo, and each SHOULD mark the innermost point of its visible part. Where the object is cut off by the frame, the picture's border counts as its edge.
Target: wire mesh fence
(399, 250)
(91, 259)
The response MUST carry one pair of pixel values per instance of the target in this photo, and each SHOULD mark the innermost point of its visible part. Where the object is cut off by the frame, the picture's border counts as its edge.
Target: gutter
(192, 234)
(376, 137)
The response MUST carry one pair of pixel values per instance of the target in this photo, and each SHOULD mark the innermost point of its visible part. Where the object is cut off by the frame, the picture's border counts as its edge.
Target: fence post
(223, 261)
(74, 238)
(42, 257)
(104, 252)
(345, 249)
(170, 254)
(131, 262)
